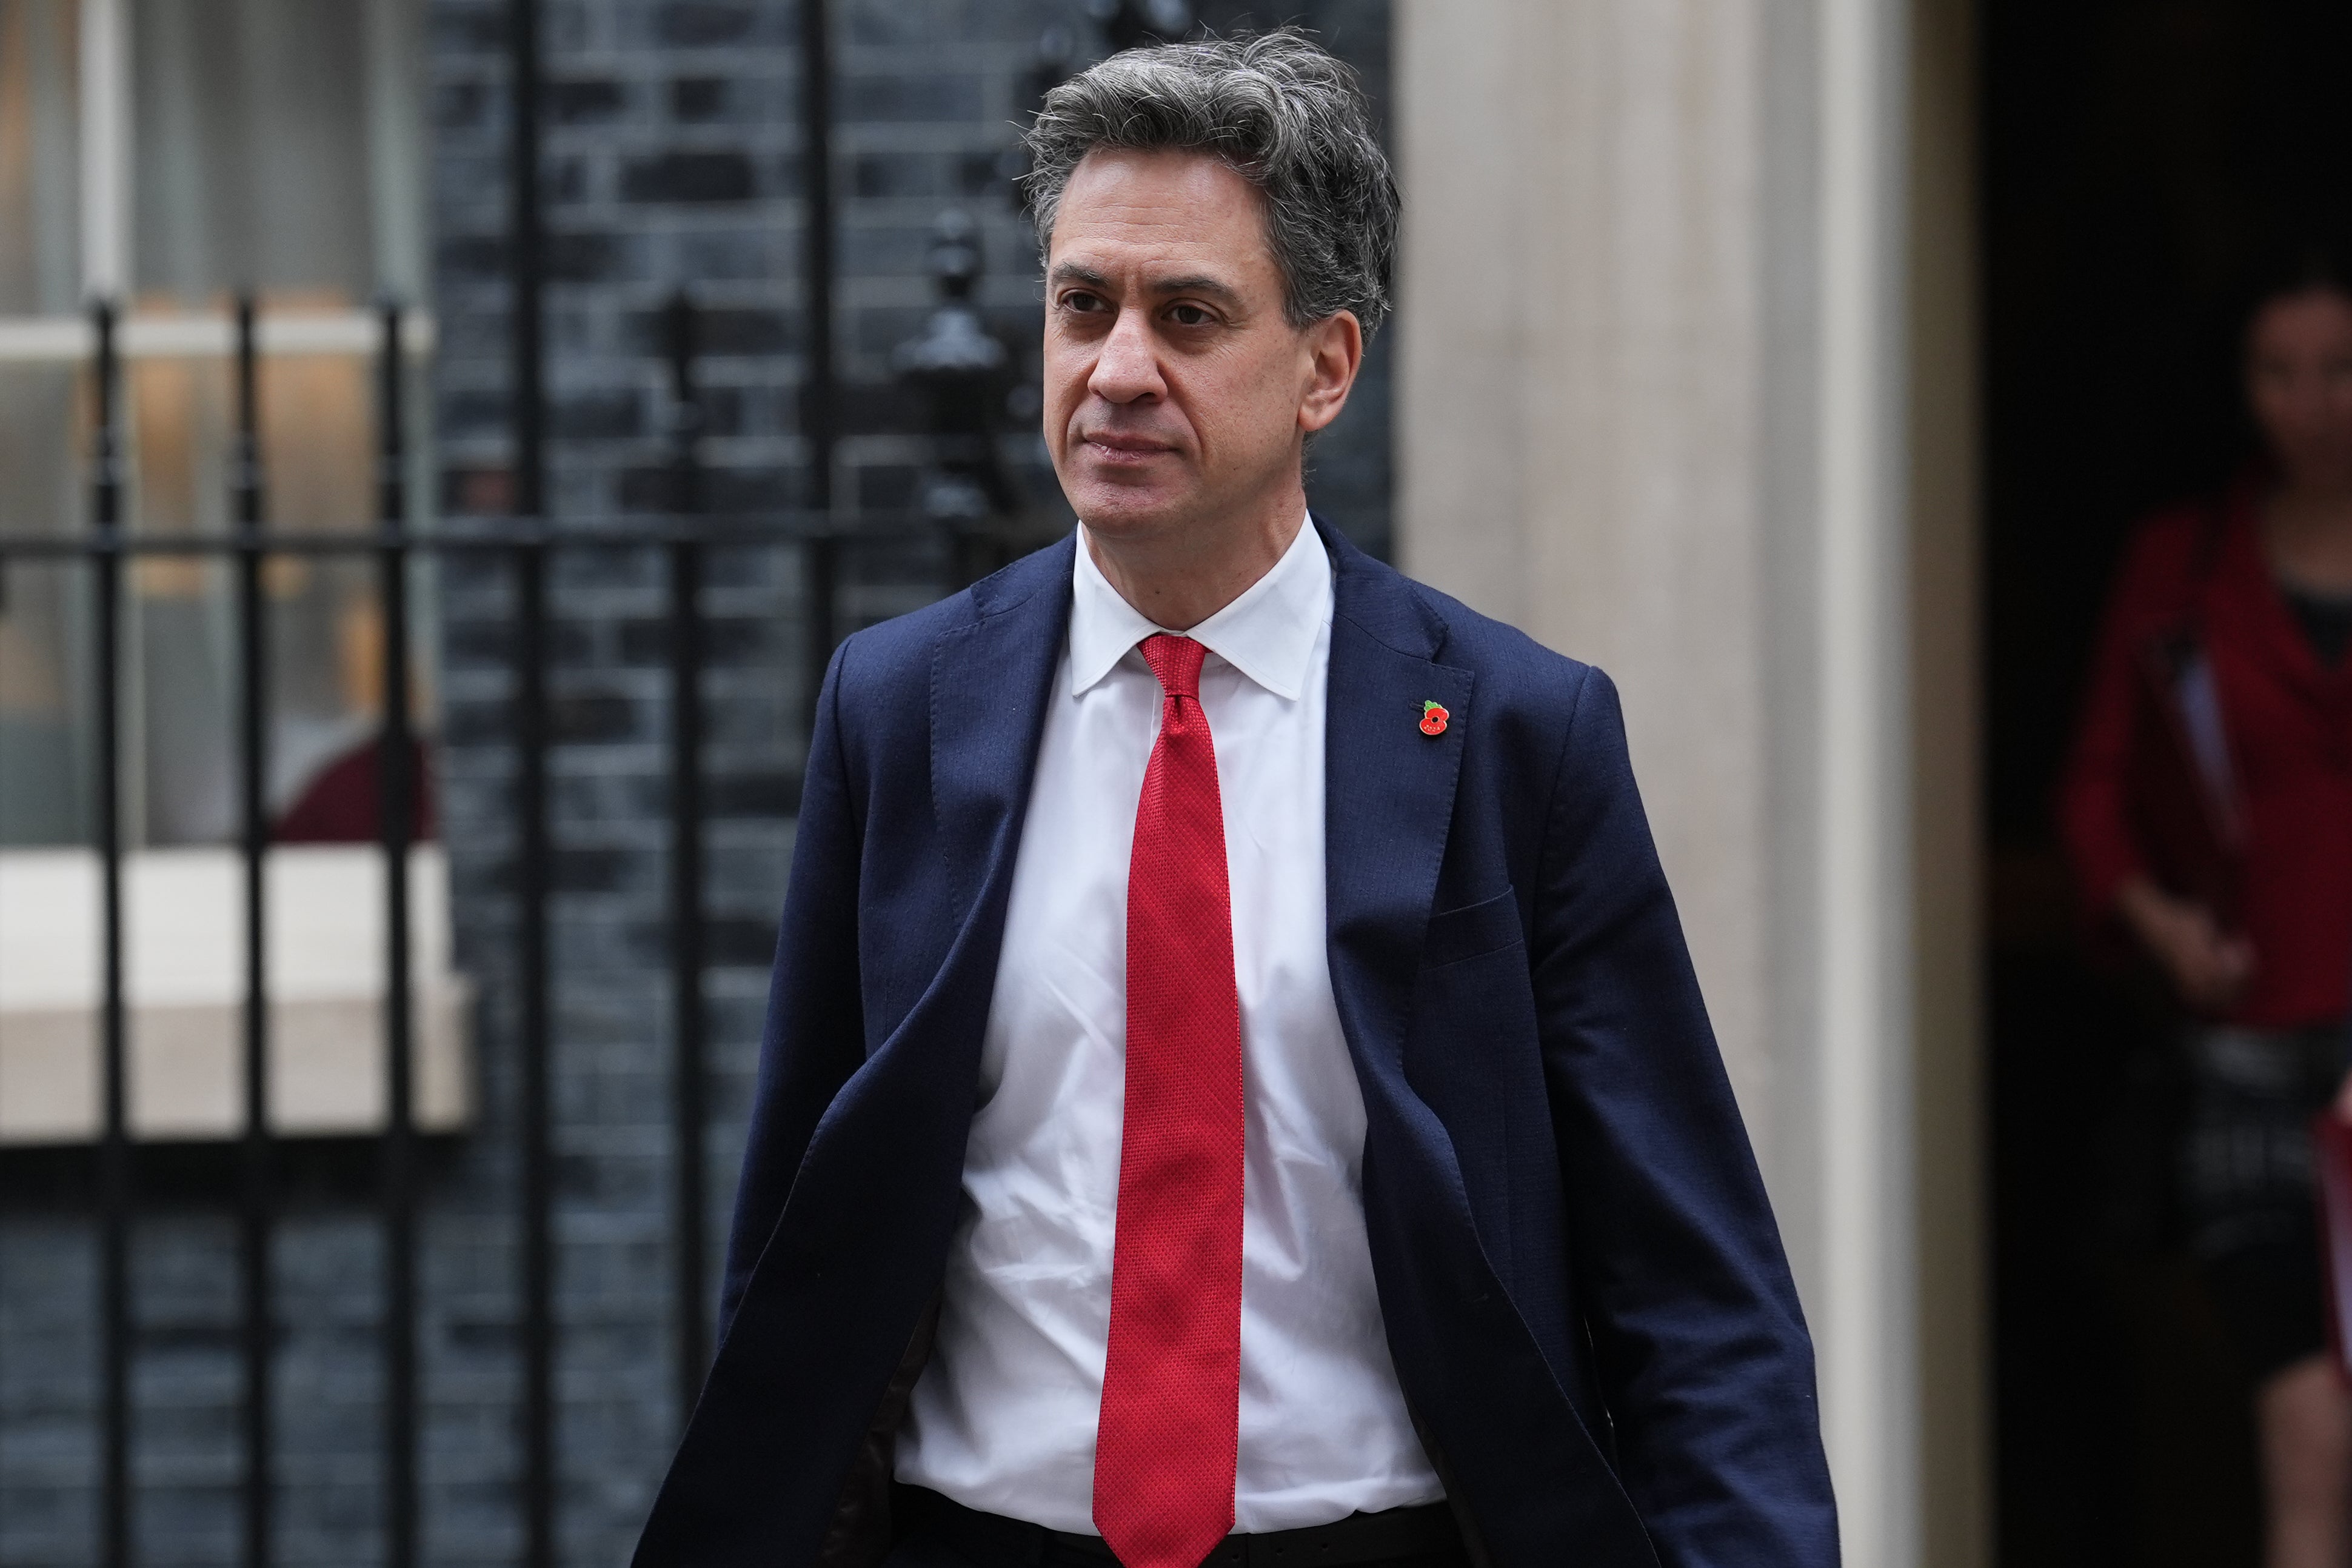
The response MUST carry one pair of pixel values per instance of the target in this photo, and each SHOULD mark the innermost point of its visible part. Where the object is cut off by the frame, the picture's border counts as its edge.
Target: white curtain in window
(251, 163)
(40, 266)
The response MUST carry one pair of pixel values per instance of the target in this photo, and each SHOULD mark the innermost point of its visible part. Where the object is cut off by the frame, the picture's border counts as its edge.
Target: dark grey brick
(727, 254)
(592, 256)
(698, 24)
(458, 30)
(461, 105)
(724, 331)
(917, 97)
(585, 100)
(605, 412)
(696, 100)
(469, 257)
(989, 174)
(566, 183)
(895, 174)
(689, 177)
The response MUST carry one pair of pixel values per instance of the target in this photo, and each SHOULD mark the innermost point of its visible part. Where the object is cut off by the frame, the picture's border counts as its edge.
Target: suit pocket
(1487, 926)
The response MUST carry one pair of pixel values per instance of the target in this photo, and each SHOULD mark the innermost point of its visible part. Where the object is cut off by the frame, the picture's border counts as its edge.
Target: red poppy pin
(1432, 718)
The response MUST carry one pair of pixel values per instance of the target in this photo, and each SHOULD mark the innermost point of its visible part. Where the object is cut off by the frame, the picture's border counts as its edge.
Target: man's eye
(1078, 299)
(1189, 316)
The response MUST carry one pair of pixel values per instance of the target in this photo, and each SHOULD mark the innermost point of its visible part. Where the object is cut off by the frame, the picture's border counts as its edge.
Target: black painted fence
(526, 546)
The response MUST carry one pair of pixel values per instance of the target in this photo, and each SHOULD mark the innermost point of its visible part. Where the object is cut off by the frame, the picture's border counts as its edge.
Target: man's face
(2299, 379)
(1175, 389)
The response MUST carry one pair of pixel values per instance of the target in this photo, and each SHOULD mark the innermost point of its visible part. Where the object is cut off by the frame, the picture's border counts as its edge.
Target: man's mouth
(1110, 447)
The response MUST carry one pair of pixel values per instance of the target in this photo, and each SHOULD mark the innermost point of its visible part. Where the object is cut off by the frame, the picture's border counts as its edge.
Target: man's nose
(1128, 368)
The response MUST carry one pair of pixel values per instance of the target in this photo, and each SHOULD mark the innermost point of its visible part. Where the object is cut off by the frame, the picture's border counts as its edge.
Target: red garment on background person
(2288, 719)
(339, 805)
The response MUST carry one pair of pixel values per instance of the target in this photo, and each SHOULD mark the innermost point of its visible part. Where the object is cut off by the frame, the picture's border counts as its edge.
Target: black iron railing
(248, 547)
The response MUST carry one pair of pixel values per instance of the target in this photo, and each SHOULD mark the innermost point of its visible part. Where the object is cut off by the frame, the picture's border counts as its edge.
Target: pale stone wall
(1577, 409)
(1684, 389)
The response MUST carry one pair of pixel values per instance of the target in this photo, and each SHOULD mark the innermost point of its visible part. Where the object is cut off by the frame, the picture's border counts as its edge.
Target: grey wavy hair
(1284, 114)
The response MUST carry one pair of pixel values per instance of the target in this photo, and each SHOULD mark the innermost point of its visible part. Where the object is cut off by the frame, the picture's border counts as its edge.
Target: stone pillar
(1672, 272)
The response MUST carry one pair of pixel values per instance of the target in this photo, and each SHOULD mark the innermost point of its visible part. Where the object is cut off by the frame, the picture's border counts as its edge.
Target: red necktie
(1172, 1385)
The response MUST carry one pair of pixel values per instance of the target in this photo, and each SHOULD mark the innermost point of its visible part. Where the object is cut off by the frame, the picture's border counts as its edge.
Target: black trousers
(935, 1533)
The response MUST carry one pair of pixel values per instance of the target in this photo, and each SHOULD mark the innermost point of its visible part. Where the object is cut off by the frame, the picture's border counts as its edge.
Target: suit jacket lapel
(1389, 795)
(991, 679)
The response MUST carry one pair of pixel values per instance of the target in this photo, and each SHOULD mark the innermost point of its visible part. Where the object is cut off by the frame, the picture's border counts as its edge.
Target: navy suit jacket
(1584, 1291)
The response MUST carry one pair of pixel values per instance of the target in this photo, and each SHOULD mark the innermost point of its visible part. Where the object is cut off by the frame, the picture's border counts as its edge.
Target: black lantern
(961, 372)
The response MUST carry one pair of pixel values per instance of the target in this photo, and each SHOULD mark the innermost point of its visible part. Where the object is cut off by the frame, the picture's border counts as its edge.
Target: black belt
(992, 1541)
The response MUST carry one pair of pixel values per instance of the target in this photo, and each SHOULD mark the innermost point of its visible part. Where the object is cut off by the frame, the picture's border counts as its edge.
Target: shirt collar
(1268, 634)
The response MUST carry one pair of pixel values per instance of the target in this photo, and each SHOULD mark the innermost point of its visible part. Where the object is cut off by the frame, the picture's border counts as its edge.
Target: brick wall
(672, 155)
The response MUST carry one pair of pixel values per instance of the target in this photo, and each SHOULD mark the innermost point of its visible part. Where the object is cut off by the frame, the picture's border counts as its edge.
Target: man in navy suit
(1234, 1089)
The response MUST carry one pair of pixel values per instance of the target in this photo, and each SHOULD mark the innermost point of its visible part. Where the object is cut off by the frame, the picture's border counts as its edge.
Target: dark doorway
(2138, 158)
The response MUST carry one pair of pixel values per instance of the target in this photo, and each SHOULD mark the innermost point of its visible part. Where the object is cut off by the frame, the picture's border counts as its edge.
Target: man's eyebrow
(1188, 283)
(1197, 283)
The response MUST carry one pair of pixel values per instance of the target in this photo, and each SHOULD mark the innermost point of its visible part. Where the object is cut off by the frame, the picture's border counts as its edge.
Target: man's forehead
(1181, 213)
(1158, 174)
(1156, 233)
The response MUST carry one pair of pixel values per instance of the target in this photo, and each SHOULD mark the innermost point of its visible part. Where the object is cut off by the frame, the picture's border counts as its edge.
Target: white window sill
(183, 951)
(72, 339)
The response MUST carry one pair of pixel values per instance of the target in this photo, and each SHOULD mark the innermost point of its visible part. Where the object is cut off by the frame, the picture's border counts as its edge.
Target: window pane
(43, 432)
(44, 779)
(42, 619)
(252, 167)
(318, 418)
(40, 269)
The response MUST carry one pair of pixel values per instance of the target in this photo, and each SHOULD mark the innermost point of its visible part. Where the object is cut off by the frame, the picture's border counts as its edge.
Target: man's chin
(1129, 510)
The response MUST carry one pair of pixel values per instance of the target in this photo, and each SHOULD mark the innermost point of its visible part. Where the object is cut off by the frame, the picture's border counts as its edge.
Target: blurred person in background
(2206, 809)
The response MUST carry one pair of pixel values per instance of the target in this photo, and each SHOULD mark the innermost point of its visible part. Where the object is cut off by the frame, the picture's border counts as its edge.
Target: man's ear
(1334, 349)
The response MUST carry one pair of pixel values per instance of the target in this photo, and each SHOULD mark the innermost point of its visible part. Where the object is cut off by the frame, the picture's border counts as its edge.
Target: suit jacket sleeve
(1699, 1347)
(815, 1038)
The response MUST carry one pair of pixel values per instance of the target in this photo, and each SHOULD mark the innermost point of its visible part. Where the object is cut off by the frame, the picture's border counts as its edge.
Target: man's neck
(1181, 582)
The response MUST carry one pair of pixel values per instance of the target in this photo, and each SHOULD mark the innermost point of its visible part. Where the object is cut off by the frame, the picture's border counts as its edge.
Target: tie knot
(1177, 662)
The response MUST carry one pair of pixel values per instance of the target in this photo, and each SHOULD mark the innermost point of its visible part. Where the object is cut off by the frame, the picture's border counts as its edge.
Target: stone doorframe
(1686, 386)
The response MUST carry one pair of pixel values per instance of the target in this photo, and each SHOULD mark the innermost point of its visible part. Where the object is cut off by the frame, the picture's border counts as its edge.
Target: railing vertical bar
(820, 571)
(252, 750)
(530, 592)
(538, 1242)
(397, 768)
(820, 557)
(526, 264)
(686, 866)
(817, 423)
(114, 1140)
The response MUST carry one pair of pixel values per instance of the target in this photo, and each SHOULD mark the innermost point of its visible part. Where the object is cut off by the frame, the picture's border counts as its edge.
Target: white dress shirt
(1004, 1418)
